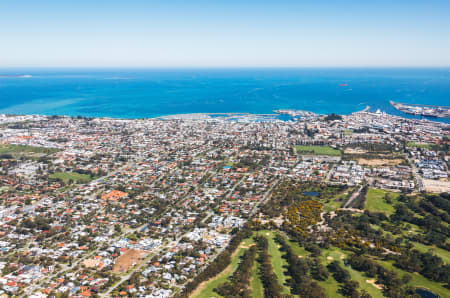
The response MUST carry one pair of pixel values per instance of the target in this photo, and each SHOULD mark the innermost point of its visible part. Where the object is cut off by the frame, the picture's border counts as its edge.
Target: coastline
(152, 93)
(230, 116)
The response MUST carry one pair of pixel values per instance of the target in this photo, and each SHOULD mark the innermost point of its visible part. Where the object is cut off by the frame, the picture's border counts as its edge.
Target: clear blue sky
(197, 33)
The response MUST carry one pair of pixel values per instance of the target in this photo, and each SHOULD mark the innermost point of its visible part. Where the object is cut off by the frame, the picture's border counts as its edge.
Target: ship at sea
(423, 110)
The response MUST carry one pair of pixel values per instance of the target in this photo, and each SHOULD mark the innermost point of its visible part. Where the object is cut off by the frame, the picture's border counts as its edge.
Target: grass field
(375, 201)
(256, 285)
(277, 261)
(333, 204)
(333, 254)
(66, 176)
(299, 250)
(418, 145)
(317, 150)
(348, 132)
(418, 281)
(407, 230)
(206, 290)
(442, 253)
(23, 149)
(331, 286)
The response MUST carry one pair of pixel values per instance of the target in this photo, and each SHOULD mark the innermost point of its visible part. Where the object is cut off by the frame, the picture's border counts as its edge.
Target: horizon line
(224, 67)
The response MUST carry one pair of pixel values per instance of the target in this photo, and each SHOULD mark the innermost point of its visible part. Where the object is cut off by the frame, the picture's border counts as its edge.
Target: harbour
(423, 110)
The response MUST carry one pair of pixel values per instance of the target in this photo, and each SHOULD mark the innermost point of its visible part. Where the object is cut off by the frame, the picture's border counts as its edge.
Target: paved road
(175, 242)
(139, 267)
(353, 197)
(34, 287)
(265, 197)
(416, 175)
(30, 289)
(329, 174)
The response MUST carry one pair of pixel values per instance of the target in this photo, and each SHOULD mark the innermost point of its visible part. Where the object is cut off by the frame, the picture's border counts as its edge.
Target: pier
(422, 109)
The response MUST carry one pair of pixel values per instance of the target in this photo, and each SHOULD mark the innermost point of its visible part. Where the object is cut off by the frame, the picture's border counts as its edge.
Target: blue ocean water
(143, 93)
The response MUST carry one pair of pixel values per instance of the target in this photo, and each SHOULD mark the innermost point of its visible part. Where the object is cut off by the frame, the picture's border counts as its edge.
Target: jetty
(422, 109)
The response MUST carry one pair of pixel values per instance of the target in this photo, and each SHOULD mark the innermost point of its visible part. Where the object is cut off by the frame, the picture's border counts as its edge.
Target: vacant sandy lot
(91, 263)
(354, 151)
(130, 258)
(436, 185)
(380, 162)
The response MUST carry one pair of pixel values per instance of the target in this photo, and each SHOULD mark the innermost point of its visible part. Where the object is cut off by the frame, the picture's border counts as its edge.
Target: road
(139, 267)
(209, 174)
(353, 197)
(77, 263)
(265, 196)
(330, 172)
(416, 175)
(30, 289)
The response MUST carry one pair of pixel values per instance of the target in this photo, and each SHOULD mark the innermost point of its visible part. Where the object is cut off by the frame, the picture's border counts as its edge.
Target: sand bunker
(372, 282)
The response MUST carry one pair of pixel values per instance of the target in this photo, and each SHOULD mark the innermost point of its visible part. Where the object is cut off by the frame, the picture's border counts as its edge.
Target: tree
(349, 288)
(332, 117)
(319, 271)
(364, 294)
(340, 274)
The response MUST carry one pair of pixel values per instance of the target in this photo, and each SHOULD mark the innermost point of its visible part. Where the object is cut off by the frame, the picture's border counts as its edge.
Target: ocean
(147, 93)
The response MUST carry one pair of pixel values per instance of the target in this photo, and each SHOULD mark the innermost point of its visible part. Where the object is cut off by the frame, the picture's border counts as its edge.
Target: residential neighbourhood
(99, 207)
